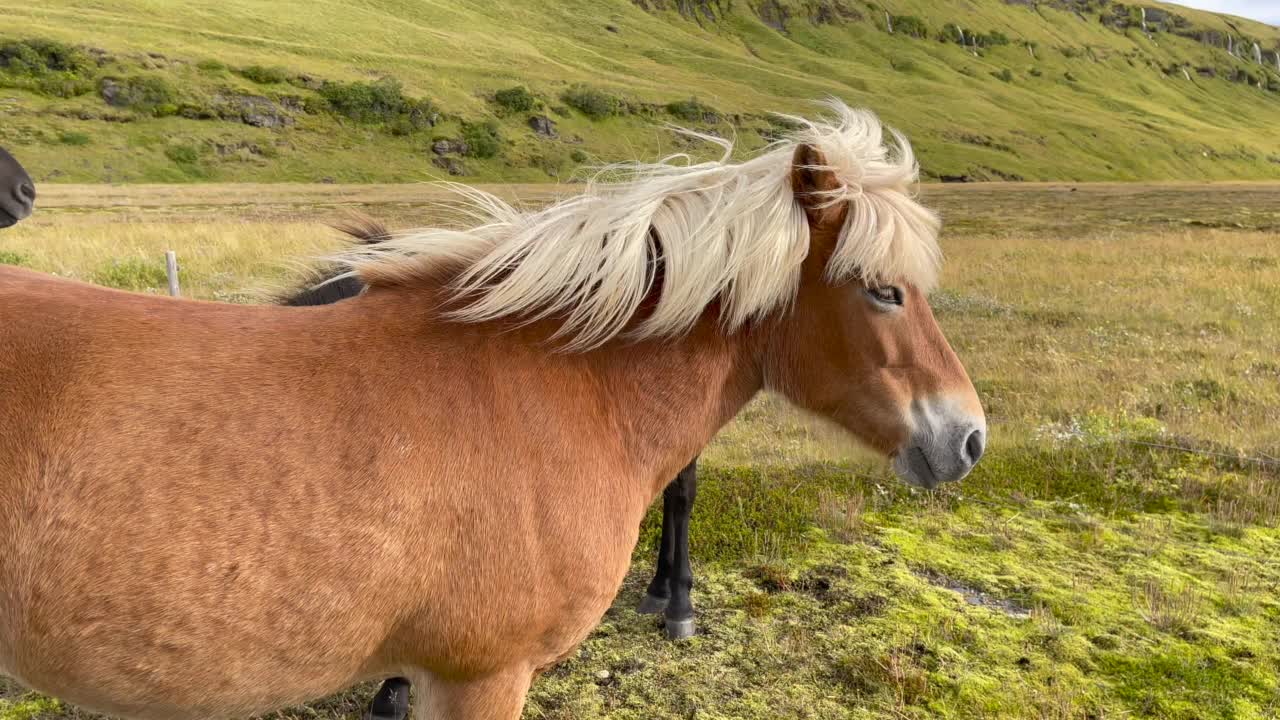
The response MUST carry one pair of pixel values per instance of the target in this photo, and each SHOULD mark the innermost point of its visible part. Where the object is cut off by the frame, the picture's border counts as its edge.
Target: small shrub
(692, 110)
(364, 102)
(182, 154)
(772, 577)
(64, 85)
(264, 75)
(379, 102)
(905, 65)
(1173, 610)
(10, 257)
(20, 58)
(947, 34)
(515, 99)
(1005, 75)
(74, 138)
(212, 67)
(143, 93)
(578, 156)
(1069, 77)
(910, 25)
(36, 57)
(1035, 72)
(992, 39)
(595, 104)
(187, 159)
(132, 274)
(46, 67)
(482, 139)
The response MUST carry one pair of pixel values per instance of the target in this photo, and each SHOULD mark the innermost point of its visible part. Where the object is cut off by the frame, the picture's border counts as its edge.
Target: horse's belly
(138, 673)
(202, 625)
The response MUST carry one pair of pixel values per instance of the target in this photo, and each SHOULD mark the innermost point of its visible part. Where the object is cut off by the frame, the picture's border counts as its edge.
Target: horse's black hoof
(391, 702)
(680, 629)
(651, 605)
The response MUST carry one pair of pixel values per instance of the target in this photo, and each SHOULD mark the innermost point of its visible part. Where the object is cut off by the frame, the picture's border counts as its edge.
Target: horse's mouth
(7, 220)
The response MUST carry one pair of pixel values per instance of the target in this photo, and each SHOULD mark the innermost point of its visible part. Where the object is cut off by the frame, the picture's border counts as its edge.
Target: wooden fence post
(171, 268)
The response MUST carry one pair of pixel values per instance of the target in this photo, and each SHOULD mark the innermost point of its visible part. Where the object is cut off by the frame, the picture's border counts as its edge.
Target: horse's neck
(658, 402)
(669, 398)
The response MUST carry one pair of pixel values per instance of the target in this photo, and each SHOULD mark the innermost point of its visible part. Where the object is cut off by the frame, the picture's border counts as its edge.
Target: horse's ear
(814, 184)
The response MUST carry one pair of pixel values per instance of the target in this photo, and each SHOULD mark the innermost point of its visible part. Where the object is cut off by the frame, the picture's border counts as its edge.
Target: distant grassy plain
(1115, 555)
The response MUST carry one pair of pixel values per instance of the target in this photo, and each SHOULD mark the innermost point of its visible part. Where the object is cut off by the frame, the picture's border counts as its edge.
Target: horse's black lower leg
(679, 496)
(659, 592)
(669, 591)
(391, 702)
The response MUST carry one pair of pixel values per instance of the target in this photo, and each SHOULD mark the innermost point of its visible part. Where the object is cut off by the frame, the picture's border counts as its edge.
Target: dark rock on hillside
(691, 9)
(453, 166)
(261, 112)
(309, 82)
(831, 12)
(542, 125)
(111, 92)
(773, 14)
(449, 147)
(242, 148)
(253, 110)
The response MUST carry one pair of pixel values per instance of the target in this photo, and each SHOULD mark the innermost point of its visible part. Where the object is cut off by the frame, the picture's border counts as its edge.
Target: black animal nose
(27, 191)
(974, 446)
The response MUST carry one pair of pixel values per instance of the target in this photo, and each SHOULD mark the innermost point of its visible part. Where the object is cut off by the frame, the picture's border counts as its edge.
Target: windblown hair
(714, 230)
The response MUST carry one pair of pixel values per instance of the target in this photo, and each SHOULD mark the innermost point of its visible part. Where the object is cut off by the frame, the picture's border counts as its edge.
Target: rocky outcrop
(254, 110)
(448, 146)
(542, 125)
(451, 165)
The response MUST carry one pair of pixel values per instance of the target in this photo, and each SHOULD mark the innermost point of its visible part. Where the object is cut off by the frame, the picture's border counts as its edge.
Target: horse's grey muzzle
(19, 206)
(945, 445)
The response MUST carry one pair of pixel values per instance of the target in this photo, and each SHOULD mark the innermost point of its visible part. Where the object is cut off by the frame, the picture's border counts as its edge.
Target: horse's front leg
(391, 702)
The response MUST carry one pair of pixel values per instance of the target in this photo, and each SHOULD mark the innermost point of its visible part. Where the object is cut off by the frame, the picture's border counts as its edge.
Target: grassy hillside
(235, 90)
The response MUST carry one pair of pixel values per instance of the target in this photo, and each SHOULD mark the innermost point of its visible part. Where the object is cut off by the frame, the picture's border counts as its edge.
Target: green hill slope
(396, 90)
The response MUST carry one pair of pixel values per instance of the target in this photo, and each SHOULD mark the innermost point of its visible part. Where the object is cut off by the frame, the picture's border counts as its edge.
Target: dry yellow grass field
(1113, 556)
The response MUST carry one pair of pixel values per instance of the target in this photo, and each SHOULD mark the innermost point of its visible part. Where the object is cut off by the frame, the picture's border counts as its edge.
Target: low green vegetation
(483, 139)
(265, 75)
(693, 111)
(515, 99)
(592, 102)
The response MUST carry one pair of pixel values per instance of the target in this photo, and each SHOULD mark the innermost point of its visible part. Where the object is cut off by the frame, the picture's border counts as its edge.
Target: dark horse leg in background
(671, 586)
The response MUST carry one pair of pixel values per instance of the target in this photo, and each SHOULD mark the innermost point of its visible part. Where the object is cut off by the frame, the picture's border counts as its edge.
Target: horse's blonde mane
(718, 229)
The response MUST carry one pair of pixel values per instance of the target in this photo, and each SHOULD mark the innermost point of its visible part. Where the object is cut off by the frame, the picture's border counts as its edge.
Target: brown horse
(668, 593)
(17, 191)
(210, 510)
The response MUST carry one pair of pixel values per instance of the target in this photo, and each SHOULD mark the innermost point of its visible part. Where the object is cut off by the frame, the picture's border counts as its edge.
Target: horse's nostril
(28, 191)
(974, 446)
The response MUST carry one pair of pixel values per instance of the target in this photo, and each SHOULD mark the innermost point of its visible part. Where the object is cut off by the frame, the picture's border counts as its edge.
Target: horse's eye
(886, 294)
